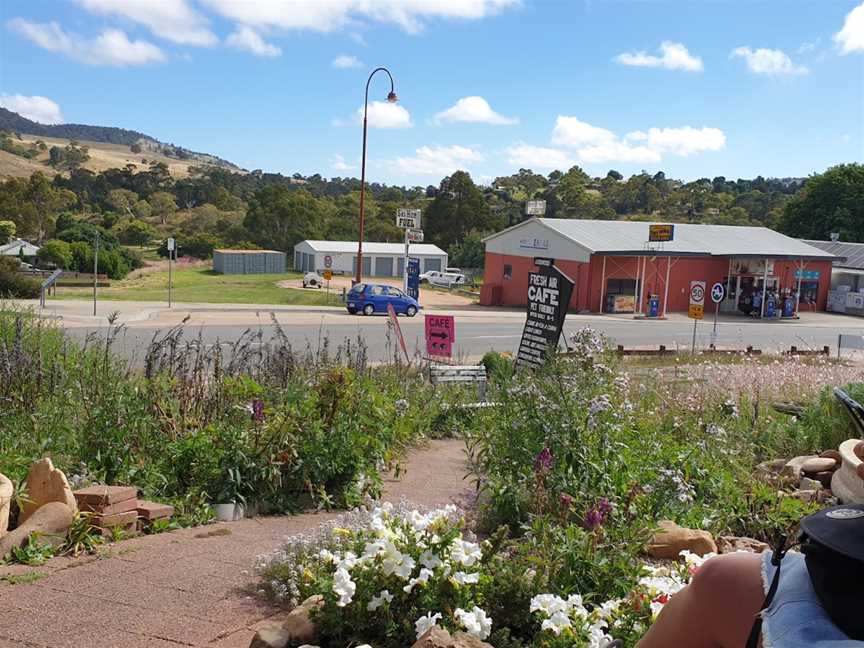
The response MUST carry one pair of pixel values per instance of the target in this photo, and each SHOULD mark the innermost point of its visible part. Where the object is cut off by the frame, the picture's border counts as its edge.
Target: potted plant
(230, 503)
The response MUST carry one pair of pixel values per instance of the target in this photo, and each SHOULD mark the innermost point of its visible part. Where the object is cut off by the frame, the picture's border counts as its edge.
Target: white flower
(656, 606)
(395, 562)
(464, 578)
(373, 549)
(549, 604)
(422, 579)
(475, 622)
(384, 596)
(348, 560)
(430, 560)
(556, 623)
(343, 586)
(422, 625)
(466, 553)
(327, 556)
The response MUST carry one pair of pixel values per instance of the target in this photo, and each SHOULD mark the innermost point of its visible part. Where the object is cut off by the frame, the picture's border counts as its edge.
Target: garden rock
(831, 454)
(768, 470)
(45, 484)
(824, 478)
(298, 624)
(810, 484)
(818, 464)
(672, 539)
(50, 521)
(806, 495)
(847, 484)
(731, 544)
(793, 468)
(271, 636)
(6, 492)
(436, 637)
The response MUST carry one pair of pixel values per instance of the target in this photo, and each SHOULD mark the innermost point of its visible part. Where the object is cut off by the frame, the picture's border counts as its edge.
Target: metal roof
(238, 251)
(14, 246)
(371, 247)
(852, 253)
(630, 238)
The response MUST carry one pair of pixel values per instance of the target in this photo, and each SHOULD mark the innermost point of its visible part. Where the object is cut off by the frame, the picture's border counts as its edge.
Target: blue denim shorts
(796, 618)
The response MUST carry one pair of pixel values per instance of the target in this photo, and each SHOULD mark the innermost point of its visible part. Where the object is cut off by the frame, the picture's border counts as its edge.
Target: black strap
(756, 630)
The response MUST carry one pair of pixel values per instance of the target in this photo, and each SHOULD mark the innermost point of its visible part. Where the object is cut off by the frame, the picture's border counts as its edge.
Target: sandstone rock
(46, 484)
(6, 492)
(847, 484)
(50, 521)
(270, 636)
(439, 638)
(806, 495)
(672, 539)
(768, 470)
(792, 469)
(731, 544)
(299, 624)
(810, 484)
(831, 454)
(818, 464)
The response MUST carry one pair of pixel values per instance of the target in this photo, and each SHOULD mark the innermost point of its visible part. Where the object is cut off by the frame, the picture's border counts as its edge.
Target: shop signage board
(661, 233)
(415, 236)
(328, 261)
(535, 207)
(807, 274)
(408, 218)
(414, 278)
(440, 335)
(549, 292)
(697, 300)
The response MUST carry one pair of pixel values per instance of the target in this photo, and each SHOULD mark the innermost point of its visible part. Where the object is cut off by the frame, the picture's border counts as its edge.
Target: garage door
(383, 266)
(431, 264)
(367, 265)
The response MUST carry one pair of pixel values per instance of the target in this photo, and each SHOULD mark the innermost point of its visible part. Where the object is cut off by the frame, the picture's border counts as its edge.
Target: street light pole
(95, 269)
(391, 97)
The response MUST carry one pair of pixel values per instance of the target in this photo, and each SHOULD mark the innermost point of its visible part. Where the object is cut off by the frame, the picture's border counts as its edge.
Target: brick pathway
(186, 588)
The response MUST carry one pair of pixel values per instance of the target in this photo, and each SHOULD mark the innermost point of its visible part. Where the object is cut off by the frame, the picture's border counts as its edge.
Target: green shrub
(13, 284)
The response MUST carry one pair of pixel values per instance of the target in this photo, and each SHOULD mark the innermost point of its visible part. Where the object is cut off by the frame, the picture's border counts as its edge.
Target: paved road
(477, 333)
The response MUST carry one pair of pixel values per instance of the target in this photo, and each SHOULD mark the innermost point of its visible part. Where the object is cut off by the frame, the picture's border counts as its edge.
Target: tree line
(215, 207)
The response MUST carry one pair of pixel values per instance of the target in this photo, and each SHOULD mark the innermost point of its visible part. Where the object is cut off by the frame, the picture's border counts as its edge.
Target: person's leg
(716, 610)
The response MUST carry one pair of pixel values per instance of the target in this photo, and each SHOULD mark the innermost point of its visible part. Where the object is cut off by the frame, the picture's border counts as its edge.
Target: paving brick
(99, 496)
(130, 504)
(154, 510)
(117, 519)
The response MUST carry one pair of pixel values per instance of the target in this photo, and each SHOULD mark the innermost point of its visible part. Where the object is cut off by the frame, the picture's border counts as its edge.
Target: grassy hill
(109, 147)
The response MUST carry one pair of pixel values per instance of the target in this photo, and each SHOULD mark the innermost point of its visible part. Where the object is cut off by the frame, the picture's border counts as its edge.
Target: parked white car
(312, 280)
(445, 279)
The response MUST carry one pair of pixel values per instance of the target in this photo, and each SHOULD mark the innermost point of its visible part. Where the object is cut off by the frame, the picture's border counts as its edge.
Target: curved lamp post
(391, 97)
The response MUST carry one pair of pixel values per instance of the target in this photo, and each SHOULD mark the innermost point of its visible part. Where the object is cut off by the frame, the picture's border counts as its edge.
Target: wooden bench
(855, 410)
(460, 374)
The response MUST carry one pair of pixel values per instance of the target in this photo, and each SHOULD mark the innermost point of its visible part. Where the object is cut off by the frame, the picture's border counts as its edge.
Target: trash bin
(789, 307)
(653, 305)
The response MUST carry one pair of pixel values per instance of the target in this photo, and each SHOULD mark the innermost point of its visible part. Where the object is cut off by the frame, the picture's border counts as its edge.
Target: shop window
(620, 286)
(809, 292)
(508, 272)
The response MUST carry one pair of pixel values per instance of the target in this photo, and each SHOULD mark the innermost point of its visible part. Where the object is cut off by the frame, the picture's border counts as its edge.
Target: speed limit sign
(697, 300)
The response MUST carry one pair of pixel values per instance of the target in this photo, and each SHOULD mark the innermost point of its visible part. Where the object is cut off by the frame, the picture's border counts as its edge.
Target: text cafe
(646, 268)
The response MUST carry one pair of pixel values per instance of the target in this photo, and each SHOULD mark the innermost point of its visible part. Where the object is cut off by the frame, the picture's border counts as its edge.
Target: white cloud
(573, 133)
(338, 163)
(247, 39)
(619, 151)
(39, 109)
(344, 62)
(172, 20)
(383, 114)
(673, 56)
(851, 37)
(437, 160)
(330, 15)
(769, 62)
(538, 157)
(111, 48)
(686, 140)
(809, 46)
(473, 110)
(636, 136)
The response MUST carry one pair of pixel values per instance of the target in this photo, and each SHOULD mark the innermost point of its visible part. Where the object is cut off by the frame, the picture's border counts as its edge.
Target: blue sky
(694, 87)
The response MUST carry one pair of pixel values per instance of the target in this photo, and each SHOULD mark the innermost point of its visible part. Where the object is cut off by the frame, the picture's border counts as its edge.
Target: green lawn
(204, 285)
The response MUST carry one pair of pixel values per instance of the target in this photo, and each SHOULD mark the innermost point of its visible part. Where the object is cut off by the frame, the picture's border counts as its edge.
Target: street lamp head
(391, 97)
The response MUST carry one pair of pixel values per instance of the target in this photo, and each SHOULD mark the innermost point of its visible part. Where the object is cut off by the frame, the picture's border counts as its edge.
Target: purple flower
(257, 410)
(566, 500)
(543, 461)
(604, 506)
(593, 519)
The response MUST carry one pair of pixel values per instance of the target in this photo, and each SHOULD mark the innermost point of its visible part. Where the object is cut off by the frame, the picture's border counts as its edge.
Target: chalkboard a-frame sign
(549, 292)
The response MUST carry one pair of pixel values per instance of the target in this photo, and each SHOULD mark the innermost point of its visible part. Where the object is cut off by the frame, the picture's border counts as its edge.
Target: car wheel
(368, 309)
(353, 311)
(411, 311)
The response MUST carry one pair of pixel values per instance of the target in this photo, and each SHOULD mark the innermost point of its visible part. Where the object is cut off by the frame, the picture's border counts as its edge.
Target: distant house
(19, 248)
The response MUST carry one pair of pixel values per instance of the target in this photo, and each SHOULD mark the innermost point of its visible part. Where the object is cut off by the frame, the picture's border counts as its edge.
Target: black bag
(832, 542)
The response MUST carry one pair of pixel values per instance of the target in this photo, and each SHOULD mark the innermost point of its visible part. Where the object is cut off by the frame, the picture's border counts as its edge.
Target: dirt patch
(428, 296)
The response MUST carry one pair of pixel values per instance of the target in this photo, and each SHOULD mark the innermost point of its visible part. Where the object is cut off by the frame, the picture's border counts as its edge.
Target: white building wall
(531, 239)
(343, 262)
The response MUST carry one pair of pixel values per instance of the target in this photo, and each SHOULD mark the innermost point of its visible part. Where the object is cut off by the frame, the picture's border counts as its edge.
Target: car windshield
(358, 288)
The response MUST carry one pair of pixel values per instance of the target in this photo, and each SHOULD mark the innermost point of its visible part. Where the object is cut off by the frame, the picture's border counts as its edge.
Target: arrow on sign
(441, 335)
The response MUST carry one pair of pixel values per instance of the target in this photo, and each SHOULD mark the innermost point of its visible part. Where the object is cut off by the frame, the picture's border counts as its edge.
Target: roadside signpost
(549, 292)
(409, 220)
(440, 335)
(718, 292)
(414, 279)
(170, 245)
(696, 311)
(328, 275)
(394, 319)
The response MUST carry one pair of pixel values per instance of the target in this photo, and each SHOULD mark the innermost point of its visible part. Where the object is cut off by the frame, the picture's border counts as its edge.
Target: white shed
(379, 259)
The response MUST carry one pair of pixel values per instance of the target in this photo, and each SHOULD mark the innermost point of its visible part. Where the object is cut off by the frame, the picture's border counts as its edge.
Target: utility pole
(95, 269)
(172, 246)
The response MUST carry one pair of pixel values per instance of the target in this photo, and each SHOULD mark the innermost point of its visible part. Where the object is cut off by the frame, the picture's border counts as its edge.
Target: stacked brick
(119, 506)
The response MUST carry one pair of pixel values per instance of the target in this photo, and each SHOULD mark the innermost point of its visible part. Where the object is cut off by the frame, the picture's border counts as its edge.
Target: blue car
(373, 298)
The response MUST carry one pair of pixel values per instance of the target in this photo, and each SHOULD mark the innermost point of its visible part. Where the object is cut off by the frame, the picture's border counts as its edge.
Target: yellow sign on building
(661, 233)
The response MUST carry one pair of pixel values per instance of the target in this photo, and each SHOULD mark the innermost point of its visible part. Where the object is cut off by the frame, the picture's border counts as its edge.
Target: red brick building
(614, 266)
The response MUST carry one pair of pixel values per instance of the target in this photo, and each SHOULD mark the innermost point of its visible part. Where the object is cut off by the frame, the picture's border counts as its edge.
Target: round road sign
(718, 292)
(697, 293)
(328, 261)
